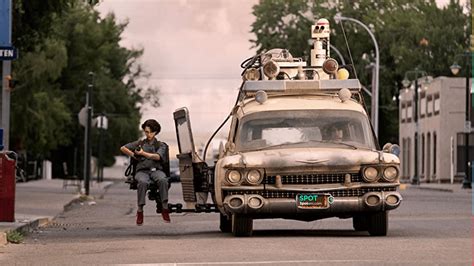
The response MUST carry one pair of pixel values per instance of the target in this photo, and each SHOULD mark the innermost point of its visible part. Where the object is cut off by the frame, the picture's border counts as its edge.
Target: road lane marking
(286, 262)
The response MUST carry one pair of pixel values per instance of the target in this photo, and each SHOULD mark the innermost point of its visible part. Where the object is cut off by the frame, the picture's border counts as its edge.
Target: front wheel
(242, 225)
(225, 224)
(378, 224)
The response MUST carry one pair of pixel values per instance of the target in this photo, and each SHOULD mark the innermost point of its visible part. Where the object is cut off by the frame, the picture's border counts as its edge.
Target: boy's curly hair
(153, 125)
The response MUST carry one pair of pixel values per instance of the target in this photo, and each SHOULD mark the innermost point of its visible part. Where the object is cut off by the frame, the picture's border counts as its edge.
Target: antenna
(348, 49)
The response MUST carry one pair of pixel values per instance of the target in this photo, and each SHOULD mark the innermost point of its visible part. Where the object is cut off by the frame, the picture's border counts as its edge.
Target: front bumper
(254, 204)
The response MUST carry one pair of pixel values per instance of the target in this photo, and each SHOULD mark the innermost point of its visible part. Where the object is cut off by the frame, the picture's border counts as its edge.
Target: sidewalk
(446, 187)
(38, 202)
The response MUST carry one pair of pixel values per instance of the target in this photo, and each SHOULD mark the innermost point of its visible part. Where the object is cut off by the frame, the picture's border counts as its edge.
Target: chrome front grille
(315, 178)
(269, 194)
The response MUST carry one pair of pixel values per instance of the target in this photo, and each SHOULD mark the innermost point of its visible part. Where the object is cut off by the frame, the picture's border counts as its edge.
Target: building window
(422, 154)
(404, 112)
(423, 106)
(428, 156)
(436, 104)
(430, 105)
(408, 157)
(434, 153)
(404, 158)
(409, 112)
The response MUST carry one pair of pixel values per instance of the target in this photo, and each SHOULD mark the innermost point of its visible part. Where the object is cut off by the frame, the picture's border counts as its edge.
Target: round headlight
(271, 69)
(254, 177)
(330, 66)
(252, 74)
(371, 174)
(234, 177)
(390, 174)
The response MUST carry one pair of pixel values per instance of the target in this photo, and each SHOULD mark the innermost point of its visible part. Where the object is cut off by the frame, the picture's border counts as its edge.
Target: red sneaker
(139, 218)
(166, 215)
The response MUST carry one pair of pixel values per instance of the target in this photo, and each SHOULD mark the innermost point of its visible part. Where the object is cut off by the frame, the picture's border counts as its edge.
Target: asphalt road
(430, 227)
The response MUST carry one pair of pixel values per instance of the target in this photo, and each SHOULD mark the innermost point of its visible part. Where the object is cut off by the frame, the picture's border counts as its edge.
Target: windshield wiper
(276, 145)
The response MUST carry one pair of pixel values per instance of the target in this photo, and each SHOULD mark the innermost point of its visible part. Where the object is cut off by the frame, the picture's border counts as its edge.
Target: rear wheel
(225, 224)
(378, 224)
(242, 225)
(360, 223)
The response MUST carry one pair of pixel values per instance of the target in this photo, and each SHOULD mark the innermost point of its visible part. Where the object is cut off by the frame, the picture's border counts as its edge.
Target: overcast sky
(193, 48)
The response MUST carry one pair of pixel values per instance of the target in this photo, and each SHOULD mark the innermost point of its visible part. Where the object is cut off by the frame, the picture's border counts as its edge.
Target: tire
(378, 224)
(360, 223)
(225, 224)
(241, 225)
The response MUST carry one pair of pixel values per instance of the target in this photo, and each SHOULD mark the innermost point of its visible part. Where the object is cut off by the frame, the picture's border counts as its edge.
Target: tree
(409, 34)
(67, 42)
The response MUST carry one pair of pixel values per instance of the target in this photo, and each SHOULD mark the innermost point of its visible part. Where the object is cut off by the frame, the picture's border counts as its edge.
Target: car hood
(308, 157)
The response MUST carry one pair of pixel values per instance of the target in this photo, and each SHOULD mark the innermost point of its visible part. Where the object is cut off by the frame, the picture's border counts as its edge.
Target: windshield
(304, 128)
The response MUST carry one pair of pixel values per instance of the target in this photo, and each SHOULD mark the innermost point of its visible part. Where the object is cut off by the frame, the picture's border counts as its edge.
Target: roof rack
(303, 86)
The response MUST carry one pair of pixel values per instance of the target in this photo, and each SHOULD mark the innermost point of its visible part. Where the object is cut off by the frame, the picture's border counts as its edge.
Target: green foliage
(60, 43)
(409, 33)
(14, 237)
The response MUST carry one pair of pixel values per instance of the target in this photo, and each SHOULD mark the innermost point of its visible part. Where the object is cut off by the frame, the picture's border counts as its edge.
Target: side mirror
(230, 147)
(392, 148)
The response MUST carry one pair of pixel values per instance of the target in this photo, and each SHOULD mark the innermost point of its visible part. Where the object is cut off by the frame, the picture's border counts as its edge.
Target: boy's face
(148, 133)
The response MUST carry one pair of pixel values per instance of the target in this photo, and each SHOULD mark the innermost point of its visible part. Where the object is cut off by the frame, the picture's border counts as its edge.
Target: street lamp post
(87, 153)
(375, 90)
(406, 83)
(455, 68)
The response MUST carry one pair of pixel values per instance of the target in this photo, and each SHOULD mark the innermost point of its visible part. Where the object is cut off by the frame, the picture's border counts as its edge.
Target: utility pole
(87, 144)
(416, 177)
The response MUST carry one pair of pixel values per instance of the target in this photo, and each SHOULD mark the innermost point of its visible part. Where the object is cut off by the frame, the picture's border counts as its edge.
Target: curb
(24, 229)
(433, 189)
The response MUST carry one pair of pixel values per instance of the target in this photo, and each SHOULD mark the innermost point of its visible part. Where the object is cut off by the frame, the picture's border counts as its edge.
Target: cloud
(193, 50)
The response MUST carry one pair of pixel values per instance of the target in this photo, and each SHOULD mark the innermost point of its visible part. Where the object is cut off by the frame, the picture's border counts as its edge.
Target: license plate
(312, 201)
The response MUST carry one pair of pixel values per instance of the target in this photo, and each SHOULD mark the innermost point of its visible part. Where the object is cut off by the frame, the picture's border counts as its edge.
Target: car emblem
(315, 161)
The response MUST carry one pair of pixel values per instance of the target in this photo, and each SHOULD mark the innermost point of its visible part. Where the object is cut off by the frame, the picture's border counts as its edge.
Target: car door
(193, 171)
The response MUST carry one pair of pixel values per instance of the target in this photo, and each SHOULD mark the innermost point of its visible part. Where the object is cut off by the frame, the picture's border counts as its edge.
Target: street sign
(5, 23)
(467, 127)
(8, 53)
(82, 115)
(102, 122)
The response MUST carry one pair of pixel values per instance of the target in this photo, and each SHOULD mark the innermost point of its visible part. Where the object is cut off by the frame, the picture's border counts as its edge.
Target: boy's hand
(139, 152)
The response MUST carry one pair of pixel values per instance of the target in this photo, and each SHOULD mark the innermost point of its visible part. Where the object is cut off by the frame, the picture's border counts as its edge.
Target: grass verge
(15, 237)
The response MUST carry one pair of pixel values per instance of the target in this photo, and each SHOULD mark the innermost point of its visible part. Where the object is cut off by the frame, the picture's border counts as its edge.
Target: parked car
(174, 171)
